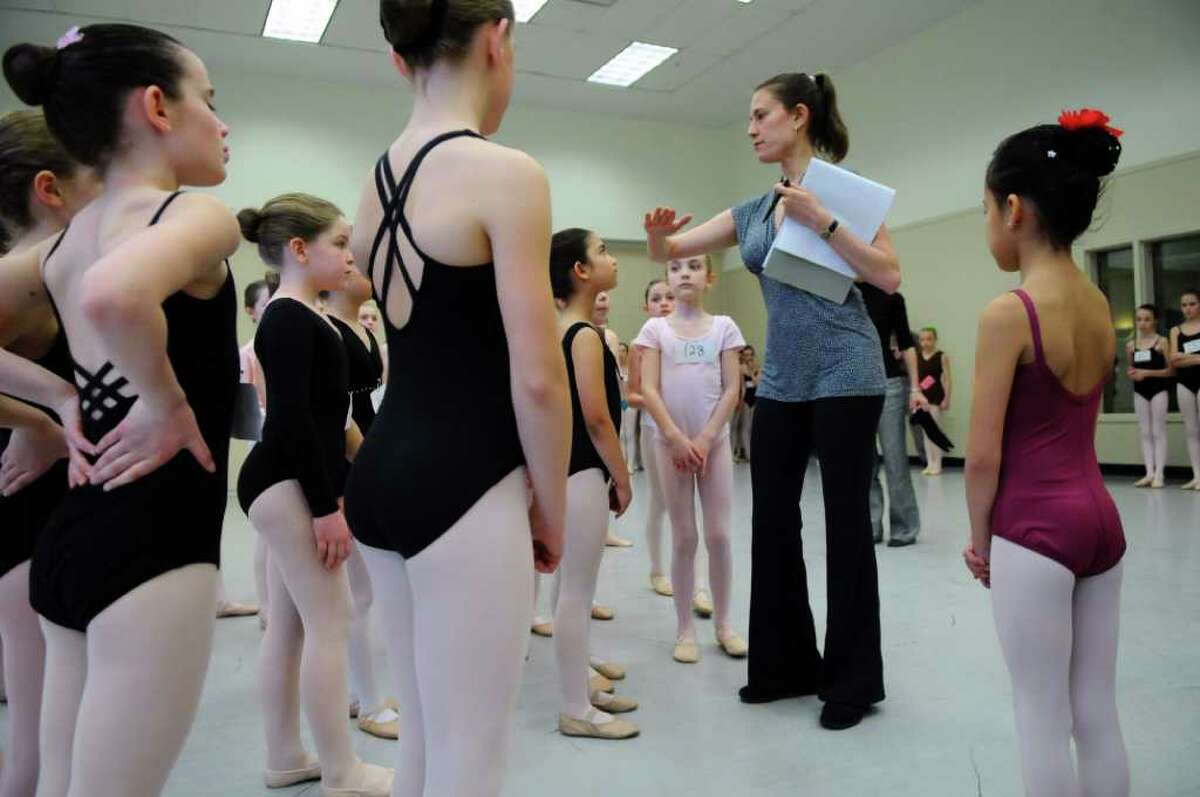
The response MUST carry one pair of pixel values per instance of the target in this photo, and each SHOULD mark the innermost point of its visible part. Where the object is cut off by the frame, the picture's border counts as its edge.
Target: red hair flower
(1087, 117)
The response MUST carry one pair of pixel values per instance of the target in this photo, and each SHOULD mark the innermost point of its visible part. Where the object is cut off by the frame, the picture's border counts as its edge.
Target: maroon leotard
(1051, 498)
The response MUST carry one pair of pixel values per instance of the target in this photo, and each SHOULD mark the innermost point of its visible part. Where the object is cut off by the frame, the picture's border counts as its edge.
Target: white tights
(679, 490)
(1189, 408)
(933, 454)
(119, 700)
(303, 656)
(586, 528)
(363, 686)
(456, 618)
(1059, 637)
(24, 660)
(1152, 420)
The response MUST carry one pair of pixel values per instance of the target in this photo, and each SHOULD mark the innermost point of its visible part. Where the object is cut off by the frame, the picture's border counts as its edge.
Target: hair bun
(250, 219)
(1095, 149)
(32, 71)
(413, 26)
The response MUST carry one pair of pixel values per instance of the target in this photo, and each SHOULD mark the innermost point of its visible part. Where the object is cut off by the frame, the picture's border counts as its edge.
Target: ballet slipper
(734, 646)
(1145, 481)
(588, 728)
(702, 605)
(613, 541)
(542, 627)
(686, 651)
(1190, 485)
(374, 781)
(1157, 484)
(598, 683)
(383, 729)
(937, 472)
(662, 585)
(235, 609)
(602, 612)
(610, 670)
(282, 778)
(613, 704)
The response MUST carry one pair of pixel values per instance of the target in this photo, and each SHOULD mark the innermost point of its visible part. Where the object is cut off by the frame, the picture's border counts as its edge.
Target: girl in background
(691, 380)
(933, 377)
(1185, 359)
(1151, 376)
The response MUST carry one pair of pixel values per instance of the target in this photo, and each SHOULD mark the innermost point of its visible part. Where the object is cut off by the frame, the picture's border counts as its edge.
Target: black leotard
(99, 545)
(22, 516)
(1188, 376)
(931, 368)
(1151, 387)
(444, 436)
(583, 452)
(304, 434)
(365, 373)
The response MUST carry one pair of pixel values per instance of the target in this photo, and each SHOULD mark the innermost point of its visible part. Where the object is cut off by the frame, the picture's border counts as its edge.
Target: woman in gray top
(821, 391)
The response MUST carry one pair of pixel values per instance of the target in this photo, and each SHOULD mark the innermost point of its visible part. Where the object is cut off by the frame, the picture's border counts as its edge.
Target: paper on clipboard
(860, 205)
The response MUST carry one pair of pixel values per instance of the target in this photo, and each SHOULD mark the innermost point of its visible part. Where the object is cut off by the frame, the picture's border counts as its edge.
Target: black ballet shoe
(894, 543)
(755, 695)
(840, 716)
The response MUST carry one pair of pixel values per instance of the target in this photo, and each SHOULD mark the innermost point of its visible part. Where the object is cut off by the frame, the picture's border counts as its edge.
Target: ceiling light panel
(527, 9)
(298, 20)
(632, 64)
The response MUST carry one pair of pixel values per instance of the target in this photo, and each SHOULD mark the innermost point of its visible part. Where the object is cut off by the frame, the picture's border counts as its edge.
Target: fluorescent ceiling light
(527, 9)
(631, 64)
(298, 20)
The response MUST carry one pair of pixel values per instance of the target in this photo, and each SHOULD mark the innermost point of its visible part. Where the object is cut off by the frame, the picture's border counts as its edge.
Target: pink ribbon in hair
(73, 36)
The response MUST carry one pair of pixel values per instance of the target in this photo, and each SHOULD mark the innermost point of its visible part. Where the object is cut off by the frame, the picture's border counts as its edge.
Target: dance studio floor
(945, 729)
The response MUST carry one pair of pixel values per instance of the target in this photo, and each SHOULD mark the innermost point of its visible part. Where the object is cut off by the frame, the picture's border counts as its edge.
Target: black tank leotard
(932, 368)
(99, 546)
(583, 453)
(444, 436)
(24, 515)
(1188, 376)
(304, 434)
(365, 373)
(1151, 387)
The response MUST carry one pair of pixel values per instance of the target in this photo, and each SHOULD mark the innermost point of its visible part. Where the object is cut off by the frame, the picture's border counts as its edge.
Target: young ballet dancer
(599, 319)
(659, 302)
(743, 417)
(365, 363)
(933, 375)
(1185, 359)
(290, 487)
(691, 380)
(1151, 375)
(41, 189)
(598, 478)
(437, 497)
(629, 440)
(124, 575)
(821, 390)
(1045, 533)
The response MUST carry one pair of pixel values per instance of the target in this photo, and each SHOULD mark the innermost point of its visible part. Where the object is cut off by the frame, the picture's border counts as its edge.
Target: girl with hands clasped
(124, 575)
(1185, 359)
(598, 477)
(290, 487)
(691, 382)
(1152, 375)
(1045, 533)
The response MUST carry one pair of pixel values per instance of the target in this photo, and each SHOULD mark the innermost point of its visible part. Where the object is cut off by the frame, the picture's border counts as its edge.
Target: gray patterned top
(815, 348)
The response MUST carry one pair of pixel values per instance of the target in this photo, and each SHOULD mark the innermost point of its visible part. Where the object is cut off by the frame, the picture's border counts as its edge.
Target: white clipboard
(801, 258)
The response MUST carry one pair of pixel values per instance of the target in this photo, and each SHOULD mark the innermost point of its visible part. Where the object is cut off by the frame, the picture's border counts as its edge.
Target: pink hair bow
(73, 36)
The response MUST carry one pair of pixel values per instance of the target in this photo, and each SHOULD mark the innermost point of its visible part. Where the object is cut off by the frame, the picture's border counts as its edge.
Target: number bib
(1192, 347)
(695, 351)
(1141, 356)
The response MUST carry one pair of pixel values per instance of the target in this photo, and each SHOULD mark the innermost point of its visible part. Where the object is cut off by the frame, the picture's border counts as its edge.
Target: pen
(786, 184)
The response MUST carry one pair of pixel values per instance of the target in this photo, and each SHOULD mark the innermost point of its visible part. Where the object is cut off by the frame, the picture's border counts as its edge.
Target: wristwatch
(830, 230)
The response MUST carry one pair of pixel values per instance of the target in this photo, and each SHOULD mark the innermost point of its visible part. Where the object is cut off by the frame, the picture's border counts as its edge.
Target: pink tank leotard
(1051, 498)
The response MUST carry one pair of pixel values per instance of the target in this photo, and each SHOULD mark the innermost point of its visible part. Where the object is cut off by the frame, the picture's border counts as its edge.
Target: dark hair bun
(412, 25)
(1095, 149)
(32, 71)
(249, 219)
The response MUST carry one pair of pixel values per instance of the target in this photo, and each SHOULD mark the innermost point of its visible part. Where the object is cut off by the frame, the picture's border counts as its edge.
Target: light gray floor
(945, 729)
